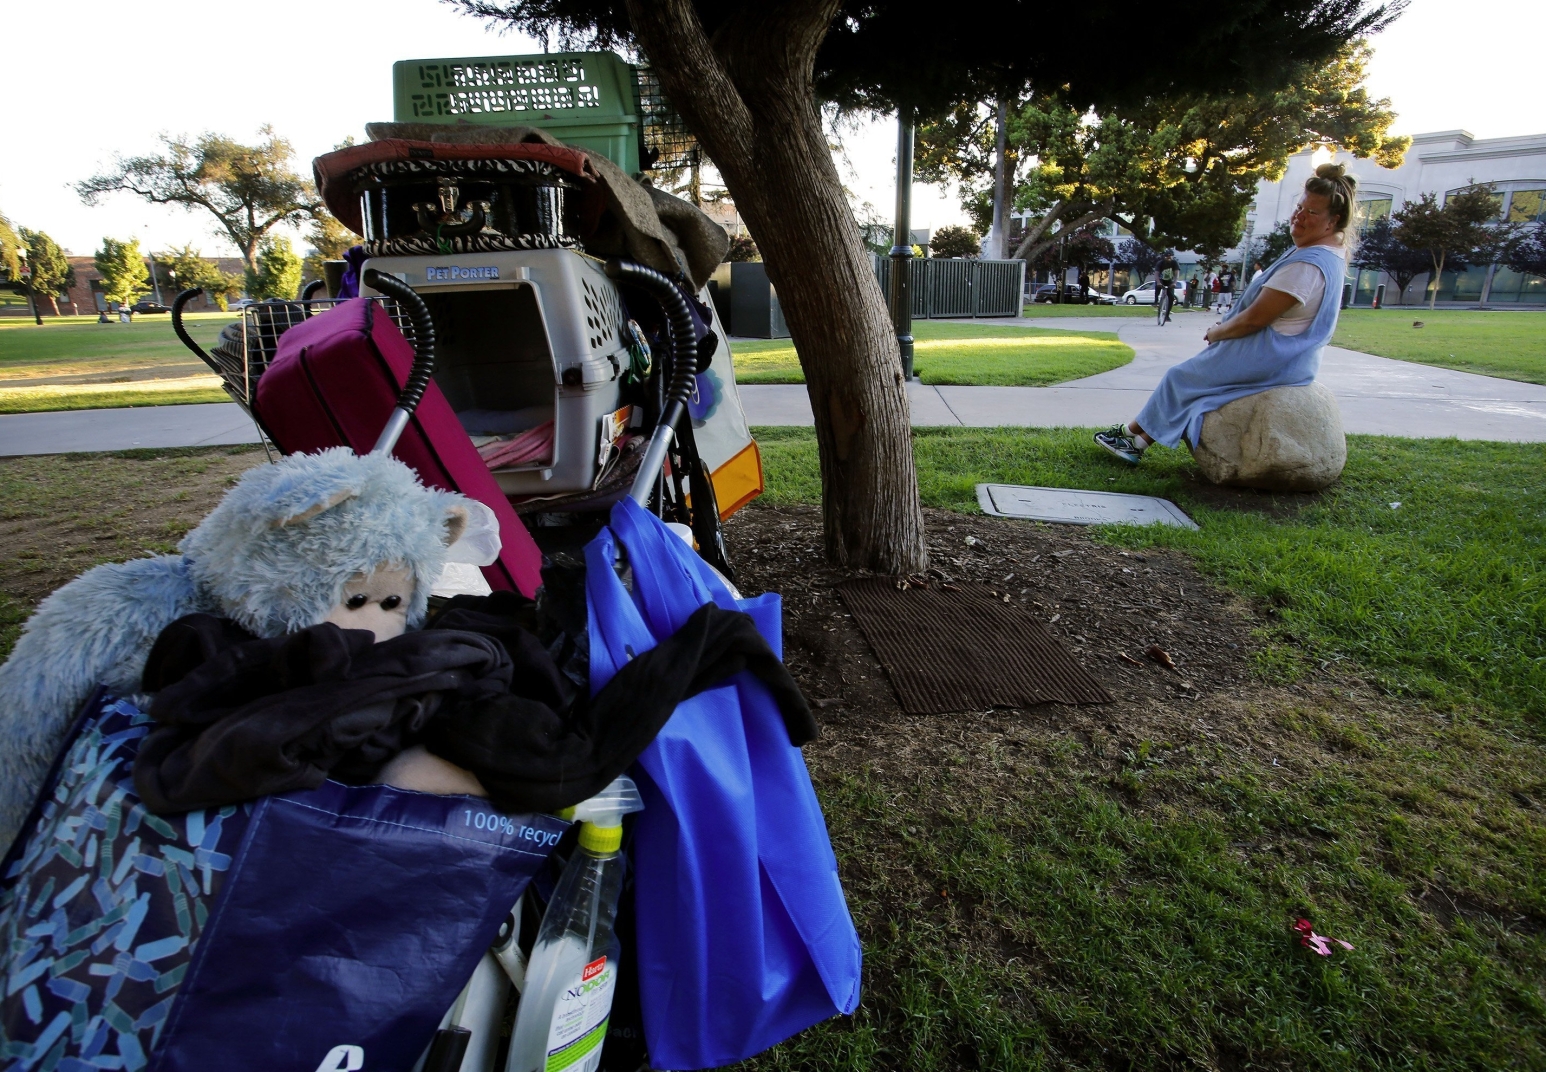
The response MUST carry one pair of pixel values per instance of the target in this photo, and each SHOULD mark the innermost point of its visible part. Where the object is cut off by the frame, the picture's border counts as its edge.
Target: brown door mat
(963, 649)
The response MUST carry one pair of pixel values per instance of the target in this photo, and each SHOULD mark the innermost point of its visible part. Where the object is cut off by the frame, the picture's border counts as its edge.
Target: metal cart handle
(423, 360)
(182, 333)
(684, 366)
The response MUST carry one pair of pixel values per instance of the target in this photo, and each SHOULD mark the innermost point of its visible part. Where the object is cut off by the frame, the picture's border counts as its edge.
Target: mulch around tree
(1107, 606)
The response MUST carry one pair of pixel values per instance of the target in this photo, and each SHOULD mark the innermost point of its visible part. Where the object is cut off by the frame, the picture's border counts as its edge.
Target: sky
(318, 70)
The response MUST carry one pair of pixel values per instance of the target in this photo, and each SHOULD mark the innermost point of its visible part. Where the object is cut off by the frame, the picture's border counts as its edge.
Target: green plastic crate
(588, 99)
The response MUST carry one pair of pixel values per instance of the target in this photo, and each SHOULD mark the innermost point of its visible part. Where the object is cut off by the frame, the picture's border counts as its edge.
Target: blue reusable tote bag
(744, 936)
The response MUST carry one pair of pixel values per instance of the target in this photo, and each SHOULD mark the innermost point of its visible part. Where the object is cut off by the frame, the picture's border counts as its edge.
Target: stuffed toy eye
(391, 602)
(355, 602)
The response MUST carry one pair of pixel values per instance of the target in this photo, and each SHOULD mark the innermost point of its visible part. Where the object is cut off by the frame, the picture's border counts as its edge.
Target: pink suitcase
(333, 382)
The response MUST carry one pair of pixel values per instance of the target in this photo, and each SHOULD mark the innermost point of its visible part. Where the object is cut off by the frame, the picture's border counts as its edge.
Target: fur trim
(274, 555)
(97, 628)
(274, 574)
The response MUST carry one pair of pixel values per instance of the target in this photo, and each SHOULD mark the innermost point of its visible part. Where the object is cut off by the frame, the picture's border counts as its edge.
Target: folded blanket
(239, 717)
(527, 448)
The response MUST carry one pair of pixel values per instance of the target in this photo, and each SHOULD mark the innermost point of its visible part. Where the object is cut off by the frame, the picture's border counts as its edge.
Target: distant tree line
(249, 191)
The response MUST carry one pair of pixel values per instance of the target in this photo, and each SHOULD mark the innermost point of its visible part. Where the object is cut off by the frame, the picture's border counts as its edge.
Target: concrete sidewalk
(1378, 396)
(205, 425)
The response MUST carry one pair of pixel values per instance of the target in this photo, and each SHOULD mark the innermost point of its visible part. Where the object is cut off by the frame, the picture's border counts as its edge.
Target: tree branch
(1034, 233)
(1100, 211)
(671, 35)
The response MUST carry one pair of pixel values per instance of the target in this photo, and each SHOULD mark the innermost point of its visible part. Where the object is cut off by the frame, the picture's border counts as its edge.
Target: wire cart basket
(247, 347)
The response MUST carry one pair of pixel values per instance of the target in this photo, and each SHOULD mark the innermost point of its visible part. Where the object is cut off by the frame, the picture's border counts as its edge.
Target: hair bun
(1331, 171)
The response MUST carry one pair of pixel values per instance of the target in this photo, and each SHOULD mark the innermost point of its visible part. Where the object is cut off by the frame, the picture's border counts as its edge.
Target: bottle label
(580, 1019)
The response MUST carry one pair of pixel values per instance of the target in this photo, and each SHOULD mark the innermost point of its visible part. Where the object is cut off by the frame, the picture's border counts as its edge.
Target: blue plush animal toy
(328, 537)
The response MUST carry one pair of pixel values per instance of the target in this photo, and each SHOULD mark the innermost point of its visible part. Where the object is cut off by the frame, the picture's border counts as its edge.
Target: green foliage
(194, 271)
(1526, 253)
(1131, 163)
(742, 248)
(1462, 230)
(248, 189)
(954, 241)
(329, 240)
(1380, 249)
(1275, 243)
(124, 274)
(51, 271)
(278, 274)
(10, 242)
(1082, 247)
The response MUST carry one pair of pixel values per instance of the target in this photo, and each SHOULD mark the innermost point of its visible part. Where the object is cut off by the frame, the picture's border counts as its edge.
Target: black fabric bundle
(239, 717)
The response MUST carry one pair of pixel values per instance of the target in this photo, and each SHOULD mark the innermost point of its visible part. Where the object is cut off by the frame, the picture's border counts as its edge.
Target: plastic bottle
(562, 1019)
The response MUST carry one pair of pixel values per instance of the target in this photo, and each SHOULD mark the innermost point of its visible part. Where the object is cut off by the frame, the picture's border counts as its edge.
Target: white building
(1441, 163)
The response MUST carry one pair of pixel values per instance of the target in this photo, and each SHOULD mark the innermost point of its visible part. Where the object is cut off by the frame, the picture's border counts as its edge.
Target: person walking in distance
(1272, 338)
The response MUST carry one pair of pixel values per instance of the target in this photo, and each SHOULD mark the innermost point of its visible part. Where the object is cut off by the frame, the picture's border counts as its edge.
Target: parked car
(148, 305)
(1144, 294)
(240, 303)
(1047, 293)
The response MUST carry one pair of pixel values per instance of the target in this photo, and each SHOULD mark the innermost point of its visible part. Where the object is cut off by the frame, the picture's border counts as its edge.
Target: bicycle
(1164, 301)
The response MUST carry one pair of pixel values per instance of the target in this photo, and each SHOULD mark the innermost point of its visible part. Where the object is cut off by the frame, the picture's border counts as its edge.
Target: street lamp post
(26, 279)
(155, 283)
(902, 243)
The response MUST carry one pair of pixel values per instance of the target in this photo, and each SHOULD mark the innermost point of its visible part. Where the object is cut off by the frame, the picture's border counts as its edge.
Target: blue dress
(1249, 365)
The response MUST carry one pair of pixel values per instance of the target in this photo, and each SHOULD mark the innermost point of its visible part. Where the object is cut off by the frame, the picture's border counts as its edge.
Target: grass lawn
(1443, 597)
(1506, 343)
(48, 397)
(1054, 889)
(73, 362)
(944, 353)
(1041, 897)
(76, 344)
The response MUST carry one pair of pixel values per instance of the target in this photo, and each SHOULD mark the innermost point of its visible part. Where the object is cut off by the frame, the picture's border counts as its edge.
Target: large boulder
(1283, 439)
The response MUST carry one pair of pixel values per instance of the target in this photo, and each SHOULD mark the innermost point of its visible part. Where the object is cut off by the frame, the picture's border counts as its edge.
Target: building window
(1369, 212)
(1497, 196)
(1527, 206)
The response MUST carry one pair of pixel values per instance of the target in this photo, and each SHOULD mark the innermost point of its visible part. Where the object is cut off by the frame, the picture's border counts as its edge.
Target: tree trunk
(53, 305)
(999, 245)
(748, 97)
(1487, 286)
(1438, 276)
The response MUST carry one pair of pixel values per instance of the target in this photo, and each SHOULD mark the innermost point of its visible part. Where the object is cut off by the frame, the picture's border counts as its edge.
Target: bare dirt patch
(62, 514)
(1106, 605)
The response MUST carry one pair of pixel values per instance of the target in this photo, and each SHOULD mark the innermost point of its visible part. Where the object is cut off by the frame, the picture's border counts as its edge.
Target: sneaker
(1122, 443)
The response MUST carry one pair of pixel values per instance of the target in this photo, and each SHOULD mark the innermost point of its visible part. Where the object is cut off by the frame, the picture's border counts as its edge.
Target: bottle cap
(600, 838)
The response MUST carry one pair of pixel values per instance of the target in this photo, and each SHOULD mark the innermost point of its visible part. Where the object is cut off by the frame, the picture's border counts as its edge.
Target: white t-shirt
(1307, 286)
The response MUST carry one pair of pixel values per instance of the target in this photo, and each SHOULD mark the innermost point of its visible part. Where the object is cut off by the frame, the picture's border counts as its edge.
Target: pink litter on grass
(532, 445)
(1317, 943)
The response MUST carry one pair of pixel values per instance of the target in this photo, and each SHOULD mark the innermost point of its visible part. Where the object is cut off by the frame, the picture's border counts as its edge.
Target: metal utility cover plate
(1070, 506)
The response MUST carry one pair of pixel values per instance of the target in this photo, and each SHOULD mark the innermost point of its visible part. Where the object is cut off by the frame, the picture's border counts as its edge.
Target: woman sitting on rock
(1272, 338)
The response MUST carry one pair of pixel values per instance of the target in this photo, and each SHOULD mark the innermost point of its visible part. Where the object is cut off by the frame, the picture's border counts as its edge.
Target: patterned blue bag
(328, 925)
